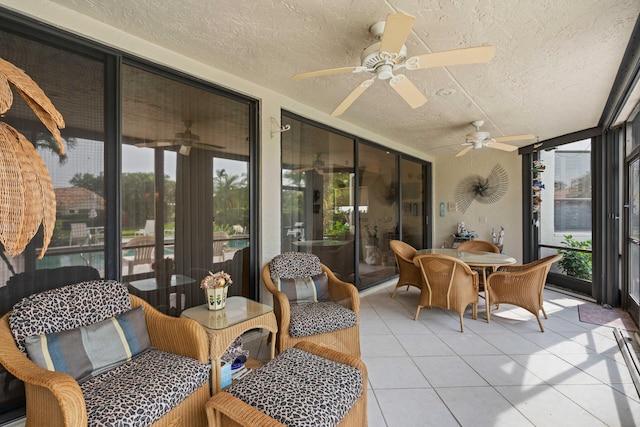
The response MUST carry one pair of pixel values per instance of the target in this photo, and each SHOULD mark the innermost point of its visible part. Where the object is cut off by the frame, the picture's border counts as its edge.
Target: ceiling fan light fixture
(185, 150)
(384, 72)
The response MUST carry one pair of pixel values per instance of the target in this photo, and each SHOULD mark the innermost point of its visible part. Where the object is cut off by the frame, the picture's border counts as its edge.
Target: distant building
(78, 200)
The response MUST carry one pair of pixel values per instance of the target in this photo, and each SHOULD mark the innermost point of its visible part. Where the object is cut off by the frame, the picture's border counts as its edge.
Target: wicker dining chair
(480, 245)
(522, 285)
(409, 273)
(448, 283)
(333, 321)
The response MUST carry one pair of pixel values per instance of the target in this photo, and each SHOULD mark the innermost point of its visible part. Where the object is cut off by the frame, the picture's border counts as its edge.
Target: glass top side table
(224, 326)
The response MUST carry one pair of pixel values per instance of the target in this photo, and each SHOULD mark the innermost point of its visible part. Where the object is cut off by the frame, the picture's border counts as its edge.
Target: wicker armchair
(300, 322)
(410, 274)
(225, 409)
(522, 285)
(447, 283)
(56, 399)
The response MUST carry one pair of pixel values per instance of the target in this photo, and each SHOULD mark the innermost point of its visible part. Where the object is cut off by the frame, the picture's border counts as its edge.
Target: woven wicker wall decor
(483, 190)
(27, 198)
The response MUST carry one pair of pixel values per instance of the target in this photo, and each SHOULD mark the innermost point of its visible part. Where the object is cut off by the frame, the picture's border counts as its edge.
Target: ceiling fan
(479, 139)
(382, 58)
(317, 165)
(186, 140)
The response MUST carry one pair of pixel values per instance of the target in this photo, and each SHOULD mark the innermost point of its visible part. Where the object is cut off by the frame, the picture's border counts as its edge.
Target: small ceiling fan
(317, 165)
(479, 139)
(186, 140)
(383, 58)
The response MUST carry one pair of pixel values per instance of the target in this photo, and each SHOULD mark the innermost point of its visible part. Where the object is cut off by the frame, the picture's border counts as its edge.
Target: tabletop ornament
(215, 286)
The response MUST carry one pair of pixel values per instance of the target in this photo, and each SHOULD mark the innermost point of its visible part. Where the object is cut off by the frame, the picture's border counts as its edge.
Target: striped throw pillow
(306, 289)
(93, 349)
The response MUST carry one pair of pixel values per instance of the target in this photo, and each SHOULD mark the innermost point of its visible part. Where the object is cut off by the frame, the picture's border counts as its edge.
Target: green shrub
(574, 263)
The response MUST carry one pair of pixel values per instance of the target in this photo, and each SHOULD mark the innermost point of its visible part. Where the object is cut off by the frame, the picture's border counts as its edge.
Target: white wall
(481, 218)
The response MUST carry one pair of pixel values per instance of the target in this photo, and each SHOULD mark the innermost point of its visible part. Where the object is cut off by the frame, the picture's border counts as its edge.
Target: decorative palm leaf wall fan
(479, 139)
(186, 140)
(383, 58)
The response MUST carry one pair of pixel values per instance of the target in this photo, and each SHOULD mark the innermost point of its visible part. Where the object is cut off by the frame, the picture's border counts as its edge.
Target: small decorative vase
(216, 297)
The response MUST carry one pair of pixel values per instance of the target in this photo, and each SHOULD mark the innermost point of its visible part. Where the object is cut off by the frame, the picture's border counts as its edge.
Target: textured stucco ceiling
(554, 67)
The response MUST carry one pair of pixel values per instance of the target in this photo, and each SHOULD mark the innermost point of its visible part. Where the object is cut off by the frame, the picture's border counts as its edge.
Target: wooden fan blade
(408, 91)
(155, 144)
(204, 146)
(522, 137)
(346, 103)
(464, 151)
(503, 147)
(396, 31)
(471, 55)
(324, 72)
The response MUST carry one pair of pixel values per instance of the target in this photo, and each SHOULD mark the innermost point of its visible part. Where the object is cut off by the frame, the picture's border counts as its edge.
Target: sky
(87, 157)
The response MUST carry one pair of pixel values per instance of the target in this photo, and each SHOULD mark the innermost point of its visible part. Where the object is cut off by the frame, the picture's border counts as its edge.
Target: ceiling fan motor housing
(479, 137)
(371, 56)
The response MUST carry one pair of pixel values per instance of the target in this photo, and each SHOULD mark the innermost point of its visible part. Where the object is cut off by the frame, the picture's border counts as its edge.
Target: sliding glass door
(632, 219)
(345, 200)
(564, 209)
(185, 187)
(318, 196)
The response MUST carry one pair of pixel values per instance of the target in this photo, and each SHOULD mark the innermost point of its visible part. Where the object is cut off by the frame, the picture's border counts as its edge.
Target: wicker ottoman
(308, 385)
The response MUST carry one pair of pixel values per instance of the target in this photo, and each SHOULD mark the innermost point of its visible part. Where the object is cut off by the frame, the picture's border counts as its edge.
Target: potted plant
(216, 286)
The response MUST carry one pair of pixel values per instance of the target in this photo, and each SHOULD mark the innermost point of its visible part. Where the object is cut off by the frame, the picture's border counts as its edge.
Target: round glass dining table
(476, 259)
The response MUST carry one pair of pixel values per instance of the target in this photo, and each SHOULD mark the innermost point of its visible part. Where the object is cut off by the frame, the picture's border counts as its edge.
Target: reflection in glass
(378, 182)
(413, 200)
(185, 191)
(78, 238)
(318, 196)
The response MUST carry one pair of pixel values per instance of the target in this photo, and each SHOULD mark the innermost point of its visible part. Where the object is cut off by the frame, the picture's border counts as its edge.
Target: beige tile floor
(505, 373)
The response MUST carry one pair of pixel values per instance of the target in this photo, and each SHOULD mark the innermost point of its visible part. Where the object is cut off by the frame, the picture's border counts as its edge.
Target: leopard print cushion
(319, 317)
(290, 265)
(68, 307)
(300, 389)
(142, 390)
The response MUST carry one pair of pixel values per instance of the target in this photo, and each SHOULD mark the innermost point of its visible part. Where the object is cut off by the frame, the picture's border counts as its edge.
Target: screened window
(572, 188)
(185, 188)
(78, 237)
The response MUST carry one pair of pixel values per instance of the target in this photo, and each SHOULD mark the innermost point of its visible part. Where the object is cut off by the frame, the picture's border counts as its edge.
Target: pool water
(94, 259)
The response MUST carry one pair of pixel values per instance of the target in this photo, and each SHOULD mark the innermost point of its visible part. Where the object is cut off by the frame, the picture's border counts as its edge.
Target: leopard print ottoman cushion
(68, 307)
(290, 265)
(319, 317)
(300, 389)
(142, 390)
